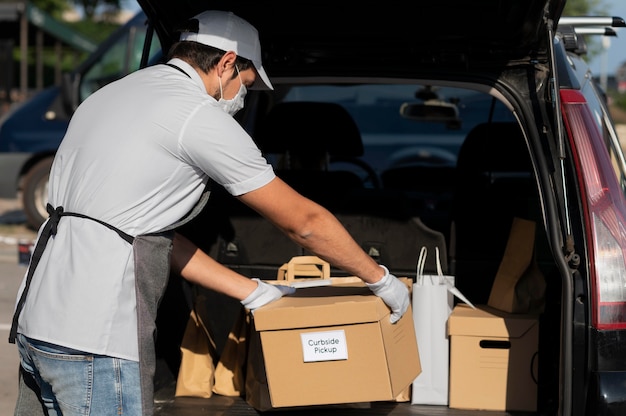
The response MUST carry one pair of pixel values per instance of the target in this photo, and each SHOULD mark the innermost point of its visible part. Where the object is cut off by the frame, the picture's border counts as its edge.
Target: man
(136, 158)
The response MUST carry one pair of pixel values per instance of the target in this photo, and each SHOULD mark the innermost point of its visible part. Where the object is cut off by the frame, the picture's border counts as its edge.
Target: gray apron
(151, 254)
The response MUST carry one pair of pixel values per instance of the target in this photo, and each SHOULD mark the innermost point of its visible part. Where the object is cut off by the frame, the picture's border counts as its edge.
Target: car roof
(388, 39)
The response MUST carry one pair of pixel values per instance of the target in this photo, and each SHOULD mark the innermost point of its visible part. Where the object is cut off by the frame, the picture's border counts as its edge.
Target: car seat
(494, 184)
(304, 136)
(429, 190)
(307, 135)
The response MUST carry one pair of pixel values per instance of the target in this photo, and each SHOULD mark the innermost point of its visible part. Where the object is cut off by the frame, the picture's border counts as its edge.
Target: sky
(609, 60)
(130, 5)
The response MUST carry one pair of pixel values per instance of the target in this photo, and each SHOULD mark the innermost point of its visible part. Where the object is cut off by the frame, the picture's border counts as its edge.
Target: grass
(618, 114)
(617, 106)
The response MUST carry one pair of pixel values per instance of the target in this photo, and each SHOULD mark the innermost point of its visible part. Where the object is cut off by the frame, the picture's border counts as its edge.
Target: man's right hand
(264, 294)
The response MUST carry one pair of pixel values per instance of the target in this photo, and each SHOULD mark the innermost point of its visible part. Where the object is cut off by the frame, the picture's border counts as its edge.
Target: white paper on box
(303, 284)
(324, 346)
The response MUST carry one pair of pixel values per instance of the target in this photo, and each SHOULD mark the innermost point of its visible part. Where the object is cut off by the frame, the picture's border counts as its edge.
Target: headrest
(496, 147)
(309, 127)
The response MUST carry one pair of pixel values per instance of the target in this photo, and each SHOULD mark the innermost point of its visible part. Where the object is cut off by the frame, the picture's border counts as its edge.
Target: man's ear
(226, 62)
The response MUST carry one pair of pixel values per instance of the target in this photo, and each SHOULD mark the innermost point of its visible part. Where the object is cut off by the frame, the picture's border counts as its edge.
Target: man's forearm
(336, 246)
(197, 267)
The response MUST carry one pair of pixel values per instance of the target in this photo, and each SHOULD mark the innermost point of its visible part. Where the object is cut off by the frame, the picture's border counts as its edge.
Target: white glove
(393, 292)
(264, 294)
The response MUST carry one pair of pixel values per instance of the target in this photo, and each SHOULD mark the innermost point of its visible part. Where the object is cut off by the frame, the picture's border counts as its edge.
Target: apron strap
(178, 68)
(49, 230)
(126, 237)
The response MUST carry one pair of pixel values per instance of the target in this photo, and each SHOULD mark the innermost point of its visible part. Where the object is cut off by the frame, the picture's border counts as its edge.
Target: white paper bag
(432, 304)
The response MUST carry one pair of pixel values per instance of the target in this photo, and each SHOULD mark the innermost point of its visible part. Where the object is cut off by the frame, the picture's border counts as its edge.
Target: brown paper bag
(257, 390)
(229, 372)
(519, 286)
(197, 368)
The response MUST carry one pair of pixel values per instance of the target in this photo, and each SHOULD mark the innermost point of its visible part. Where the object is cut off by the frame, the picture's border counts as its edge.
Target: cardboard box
(493, 359)
(329, 345)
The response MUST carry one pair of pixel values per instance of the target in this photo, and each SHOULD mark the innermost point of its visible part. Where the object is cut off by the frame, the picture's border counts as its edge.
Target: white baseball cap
(228, 32)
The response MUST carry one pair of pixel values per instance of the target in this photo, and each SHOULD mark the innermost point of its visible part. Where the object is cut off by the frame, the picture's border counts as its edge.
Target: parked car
(31, 132)
(468, 115)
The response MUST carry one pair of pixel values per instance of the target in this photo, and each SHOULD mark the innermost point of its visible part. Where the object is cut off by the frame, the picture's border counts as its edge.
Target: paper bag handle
(450, 286)
(420, 264)
(421, 261)
(304, 266)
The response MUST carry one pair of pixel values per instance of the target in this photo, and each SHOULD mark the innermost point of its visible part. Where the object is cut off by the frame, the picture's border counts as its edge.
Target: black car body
(501, 119)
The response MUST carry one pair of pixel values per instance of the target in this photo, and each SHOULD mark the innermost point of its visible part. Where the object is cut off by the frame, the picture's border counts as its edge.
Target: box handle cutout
(500, 345)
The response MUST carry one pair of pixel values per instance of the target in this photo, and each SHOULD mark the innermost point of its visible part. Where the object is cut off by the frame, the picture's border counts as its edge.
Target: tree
(584, 8)
(54, 8)
(90, 6)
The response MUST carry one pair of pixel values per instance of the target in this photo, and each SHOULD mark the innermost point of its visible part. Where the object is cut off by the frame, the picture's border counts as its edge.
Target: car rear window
(389, 138)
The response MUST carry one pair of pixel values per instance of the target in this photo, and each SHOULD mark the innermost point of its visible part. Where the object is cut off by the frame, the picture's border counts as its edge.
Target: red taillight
(604, 211)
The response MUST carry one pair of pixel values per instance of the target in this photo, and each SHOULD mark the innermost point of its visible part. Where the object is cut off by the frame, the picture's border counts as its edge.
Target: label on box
(324, 346)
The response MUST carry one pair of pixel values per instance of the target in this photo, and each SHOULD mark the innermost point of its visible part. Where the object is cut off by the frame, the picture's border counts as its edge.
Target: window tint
(391, 139)
(123, 57)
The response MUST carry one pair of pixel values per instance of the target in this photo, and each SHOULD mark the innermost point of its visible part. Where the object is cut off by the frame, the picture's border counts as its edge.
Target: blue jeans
(74, 383)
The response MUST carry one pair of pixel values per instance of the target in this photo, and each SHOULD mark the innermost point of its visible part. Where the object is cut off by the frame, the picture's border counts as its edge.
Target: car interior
(417, 196)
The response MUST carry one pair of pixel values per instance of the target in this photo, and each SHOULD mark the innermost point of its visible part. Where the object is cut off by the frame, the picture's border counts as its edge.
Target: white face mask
(236, 103)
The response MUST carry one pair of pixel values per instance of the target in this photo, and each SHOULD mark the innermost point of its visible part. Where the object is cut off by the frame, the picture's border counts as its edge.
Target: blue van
(31, 132)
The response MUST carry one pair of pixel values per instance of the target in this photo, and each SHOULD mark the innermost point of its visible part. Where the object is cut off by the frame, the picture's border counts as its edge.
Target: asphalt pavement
(12, 231)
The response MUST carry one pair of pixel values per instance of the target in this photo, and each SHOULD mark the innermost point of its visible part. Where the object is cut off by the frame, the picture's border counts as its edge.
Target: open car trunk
(456, 186)
(448, 151)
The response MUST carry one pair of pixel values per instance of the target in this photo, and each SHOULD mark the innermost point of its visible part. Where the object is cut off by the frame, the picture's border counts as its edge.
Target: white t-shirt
(137, 155)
